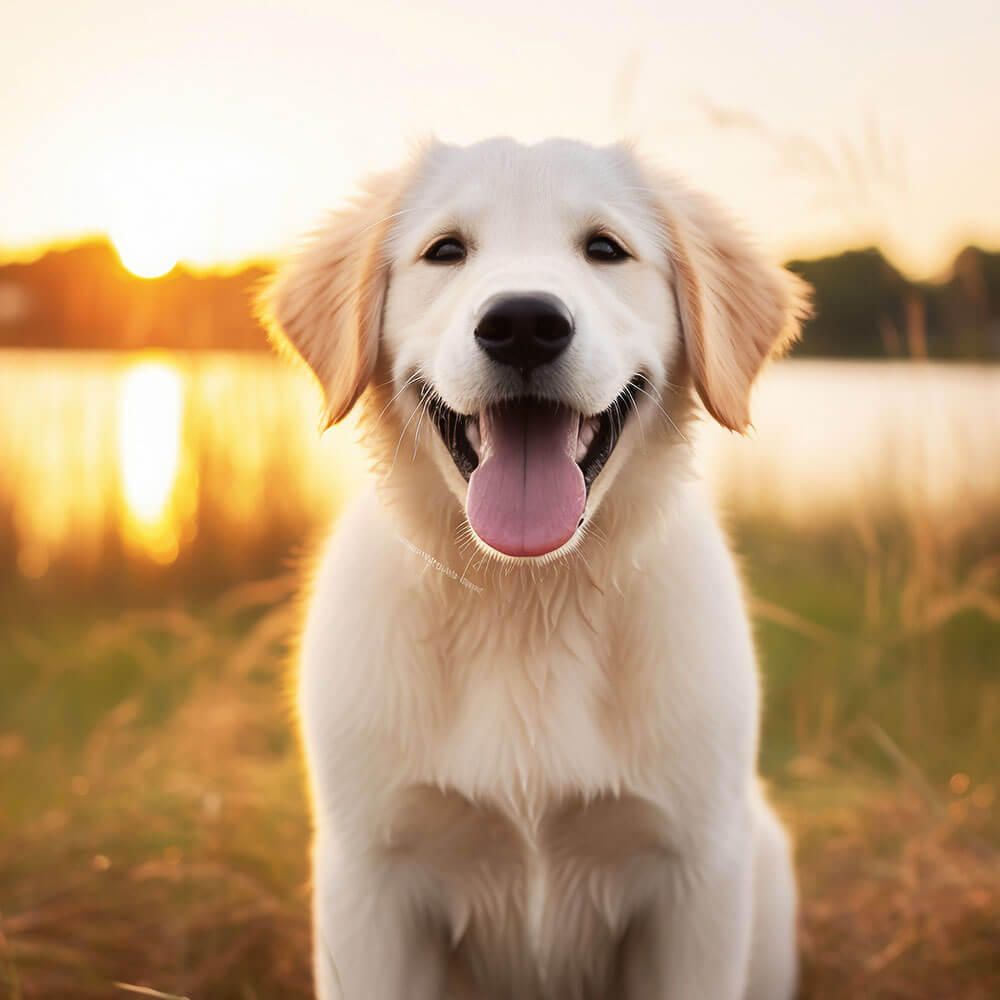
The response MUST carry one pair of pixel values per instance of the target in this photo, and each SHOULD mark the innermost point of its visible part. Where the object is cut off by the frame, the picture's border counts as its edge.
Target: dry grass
(899, 900)
(164, 844)
(154, 833)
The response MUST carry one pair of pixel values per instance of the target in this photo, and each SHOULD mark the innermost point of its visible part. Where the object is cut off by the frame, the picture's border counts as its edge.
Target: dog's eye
(603, 249)
(447, 250)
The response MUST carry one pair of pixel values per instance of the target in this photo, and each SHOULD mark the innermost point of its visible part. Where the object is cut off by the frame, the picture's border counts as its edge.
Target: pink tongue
(527, 494)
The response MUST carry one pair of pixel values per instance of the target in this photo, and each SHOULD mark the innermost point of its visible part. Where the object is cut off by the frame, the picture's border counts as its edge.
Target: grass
(154, 832)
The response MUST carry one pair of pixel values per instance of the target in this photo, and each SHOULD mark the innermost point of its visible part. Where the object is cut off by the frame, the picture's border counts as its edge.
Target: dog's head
(546, 309)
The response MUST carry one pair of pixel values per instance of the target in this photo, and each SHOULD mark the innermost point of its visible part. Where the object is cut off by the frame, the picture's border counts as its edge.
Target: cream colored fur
(541, 785)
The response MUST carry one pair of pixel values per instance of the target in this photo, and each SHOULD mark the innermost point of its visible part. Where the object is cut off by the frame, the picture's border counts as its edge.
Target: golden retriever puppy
(527, 683)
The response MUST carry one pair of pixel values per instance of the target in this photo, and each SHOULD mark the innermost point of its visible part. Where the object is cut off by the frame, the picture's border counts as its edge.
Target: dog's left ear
(736, 308)
(326, 304)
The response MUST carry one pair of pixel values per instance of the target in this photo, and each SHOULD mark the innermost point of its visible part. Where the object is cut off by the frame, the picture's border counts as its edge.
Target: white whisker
(638, 415)
(427, 397)
(657, 404)
(402, 434)
(416, 375)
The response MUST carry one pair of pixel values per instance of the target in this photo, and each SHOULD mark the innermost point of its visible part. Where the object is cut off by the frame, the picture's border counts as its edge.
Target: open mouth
(530, 463)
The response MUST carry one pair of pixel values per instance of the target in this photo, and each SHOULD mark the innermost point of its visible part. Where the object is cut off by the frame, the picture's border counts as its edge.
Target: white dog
(528, 690)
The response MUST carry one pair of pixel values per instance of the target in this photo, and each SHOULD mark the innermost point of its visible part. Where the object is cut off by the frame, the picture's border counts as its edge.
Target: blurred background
(163, 482)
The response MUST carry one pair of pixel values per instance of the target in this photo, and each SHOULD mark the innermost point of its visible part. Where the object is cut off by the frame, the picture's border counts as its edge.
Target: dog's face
(533, 304)
(530, 303)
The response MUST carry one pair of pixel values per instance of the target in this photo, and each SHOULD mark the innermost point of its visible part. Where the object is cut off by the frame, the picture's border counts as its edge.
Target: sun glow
(150, 415)
(148, 231)
(172, 194)
(142, 253)
(161, 209)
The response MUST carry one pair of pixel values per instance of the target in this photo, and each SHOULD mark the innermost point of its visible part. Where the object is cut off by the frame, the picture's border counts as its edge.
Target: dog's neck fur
(542, 638)
(629, 517)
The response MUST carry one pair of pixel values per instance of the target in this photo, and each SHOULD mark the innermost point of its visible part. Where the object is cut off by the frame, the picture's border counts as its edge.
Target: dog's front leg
(693, 941)
(371, 938)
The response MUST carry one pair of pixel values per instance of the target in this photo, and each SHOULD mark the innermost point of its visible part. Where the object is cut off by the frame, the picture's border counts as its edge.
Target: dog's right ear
(326, 303)
(736, 308)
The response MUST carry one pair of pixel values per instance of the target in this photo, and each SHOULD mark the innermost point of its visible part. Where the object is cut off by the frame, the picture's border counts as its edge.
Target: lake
(155, 457)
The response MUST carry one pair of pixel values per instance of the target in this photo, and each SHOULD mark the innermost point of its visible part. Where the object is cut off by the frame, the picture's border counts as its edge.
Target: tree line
(864, 307)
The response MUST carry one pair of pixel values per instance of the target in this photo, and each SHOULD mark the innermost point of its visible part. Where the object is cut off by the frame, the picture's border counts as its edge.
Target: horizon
(210, 134)
(28, 253)
(86, 295)
(26, 256)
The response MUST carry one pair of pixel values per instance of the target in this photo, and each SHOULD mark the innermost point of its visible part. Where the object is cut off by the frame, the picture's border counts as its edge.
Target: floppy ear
(326, 303)
(736, 308)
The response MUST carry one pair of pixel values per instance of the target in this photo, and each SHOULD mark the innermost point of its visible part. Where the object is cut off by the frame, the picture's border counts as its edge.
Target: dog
(527, 685)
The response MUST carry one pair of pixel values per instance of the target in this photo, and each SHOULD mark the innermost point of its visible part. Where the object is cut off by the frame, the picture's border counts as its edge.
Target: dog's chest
(533, 908)
(524, 818)
(526, 729)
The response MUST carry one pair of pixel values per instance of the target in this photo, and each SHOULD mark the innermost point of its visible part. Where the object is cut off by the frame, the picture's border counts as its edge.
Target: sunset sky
(211, 131)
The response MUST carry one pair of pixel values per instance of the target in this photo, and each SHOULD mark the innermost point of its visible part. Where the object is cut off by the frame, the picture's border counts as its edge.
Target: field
(154, 831)
(162, 839)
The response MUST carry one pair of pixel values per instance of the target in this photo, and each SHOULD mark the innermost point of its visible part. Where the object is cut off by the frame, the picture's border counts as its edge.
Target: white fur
(542, 785)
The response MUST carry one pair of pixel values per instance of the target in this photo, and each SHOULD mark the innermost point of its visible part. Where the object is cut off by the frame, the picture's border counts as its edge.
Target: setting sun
(160, 212)
(141, 254)
(148, 231)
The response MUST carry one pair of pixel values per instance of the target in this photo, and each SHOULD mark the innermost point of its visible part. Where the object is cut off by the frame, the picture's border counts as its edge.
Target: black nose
(525, 331)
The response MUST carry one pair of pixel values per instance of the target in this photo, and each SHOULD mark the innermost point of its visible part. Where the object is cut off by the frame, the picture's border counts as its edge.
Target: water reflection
(150, 419)
(214, 457)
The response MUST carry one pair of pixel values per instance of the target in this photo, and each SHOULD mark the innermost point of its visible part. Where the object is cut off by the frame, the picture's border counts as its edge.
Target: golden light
(144, 251)
(168, 193)
(158, 207)
(149, 228)
(150, 415)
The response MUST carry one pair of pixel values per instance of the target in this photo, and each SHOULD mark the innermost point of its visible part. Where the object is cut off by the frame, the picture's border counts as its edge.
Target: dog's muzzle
(524, 330)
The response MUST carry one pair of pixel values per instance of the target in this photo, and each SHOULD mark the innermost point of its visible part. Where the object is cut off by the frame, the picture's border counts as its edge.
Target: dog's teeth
(588, 430)
(472, 433)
